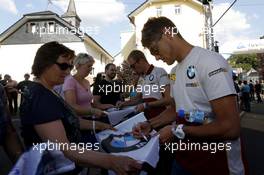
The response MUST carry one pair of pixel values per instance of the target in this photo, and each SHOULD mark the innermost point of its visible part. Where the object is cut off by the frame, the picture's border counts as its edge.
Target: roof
(40, 13)
(42, 16)
(142, 6)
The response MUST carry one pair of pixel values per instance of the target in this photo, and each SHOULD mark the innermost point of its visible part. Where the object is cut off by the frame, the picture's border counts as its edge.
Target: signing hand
(140, 129)
(119, 104)
(166, 134)
(99, 113)
(140, 107)
(103, 126)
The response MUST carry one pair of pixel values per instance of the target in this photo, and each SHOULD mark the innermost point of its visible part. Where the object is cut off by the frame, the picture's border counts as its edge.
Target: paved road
(253, 137)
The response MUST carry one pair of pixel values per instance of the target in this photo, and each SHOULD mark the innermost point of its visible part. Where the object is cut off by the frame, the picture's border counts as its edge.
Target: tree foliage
(245, 61)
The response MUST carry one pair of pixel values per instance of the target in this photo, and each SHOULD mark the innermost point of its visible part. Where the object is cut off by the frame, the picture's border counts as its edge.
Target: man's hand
(103, 126)
(166, 134)
(140, 107)
(119, 104)
(140, 129)
(98, 113)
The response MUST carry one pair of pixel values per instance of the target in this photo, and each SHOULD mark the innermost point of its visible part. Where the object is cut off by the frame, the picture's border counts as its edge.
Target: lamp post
(209, 35)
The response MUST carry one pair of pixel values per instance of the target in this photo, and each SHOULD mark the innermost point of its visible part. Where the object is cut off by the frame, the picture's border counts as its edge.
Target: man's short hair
(137, 55)
(154, 28)
(109, 65)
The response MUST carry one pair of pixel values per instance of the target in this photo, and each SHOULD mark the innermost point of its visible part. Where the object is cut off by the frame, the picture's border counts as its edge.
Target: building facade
(188, 15)
(19, 43)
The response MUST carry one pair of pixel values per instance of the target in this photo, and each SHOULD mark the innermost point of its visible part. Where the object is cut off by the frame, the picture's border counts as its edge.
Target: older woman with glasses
(45, 116)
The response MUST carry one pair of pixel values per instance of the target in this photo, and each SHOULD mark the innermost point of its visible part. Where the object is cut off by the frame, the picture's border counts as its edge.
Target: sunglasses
(64, 66)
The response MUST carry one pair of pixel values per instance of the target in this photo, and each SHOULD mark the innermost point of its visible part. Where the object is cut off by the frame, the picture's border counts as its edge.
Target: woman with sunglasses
(45, 116)
(78, 95)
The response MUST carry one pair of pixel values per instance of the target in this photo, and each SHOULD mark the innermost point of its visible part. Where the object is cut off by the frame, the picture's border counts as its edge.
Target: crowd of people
(248, 92)
(61, 106)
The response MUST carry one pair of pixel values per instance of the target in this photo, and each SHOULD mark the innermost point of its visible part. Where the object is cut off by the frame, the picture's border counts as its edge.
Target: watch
(178, 131)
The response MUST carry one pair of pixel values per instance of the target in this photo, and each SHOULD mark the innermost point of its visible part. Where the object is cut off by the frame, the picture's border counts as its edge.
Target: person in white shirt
(202, 80)
(153, 89)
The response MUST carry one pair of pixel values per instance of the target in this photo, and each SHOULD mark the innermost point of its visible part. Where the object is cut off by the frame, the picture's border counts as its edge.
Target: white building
(188, 16)
(19, 43)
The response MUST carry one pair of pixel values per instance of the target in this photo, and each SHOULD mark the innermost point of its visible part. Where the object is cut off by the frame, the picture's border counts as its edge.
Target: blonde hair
(82, 58)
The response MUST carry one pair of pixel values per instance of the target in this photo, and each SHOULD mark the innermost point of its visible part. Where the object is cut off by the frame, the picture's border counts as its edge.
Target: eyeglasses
(64, 66)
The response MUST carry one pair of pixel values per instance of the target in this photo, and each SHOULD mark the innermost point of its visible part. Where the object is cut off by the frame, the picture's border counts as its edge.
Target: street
(253, 136)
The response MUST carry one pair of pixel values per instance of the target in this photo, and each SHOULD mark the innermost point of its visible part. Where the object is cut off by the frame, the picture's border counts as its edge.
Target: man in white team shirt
(153, 91)
(201, 80)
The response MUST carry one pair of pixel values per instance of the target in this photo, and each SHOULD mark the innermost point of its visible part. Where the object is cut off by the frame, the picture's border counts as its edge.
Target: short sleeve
(69, 84)
(163, 77)
(216, 77)
(97, 89)
(40, 106)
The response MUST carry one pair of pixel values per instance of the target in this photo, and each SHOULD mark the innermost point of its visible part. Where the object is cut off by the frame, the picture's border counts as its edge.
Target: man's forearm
(132, 102)
(166, 117)
(158, 103)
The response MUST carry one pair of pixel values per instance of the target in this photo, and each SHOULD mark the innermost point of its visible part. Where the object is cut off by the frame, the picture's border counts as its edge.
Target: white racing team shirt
(201, 77)
(153, 84)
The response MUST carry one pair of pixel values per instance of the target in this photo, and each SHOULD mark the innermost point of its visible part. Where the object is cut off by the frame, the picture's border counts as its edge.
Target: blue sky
(244, 21)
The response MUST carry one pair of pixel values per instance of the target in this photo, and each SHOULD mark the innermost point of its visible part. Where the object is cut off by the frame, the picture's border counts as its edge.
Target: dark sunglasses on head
(64, 66)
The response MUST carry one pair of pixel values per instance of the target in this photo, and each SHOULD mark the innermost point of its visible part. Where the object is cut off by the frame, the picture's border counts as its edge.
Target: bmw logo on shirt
(151, 77)
(191, 72)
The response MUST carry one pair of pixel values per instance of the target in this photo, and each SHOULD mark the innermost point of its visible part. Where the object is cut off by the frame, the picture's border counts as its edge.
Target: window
(33, 28)
(44, 28)
(177, 9)
(159, 11)
(51, 27)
